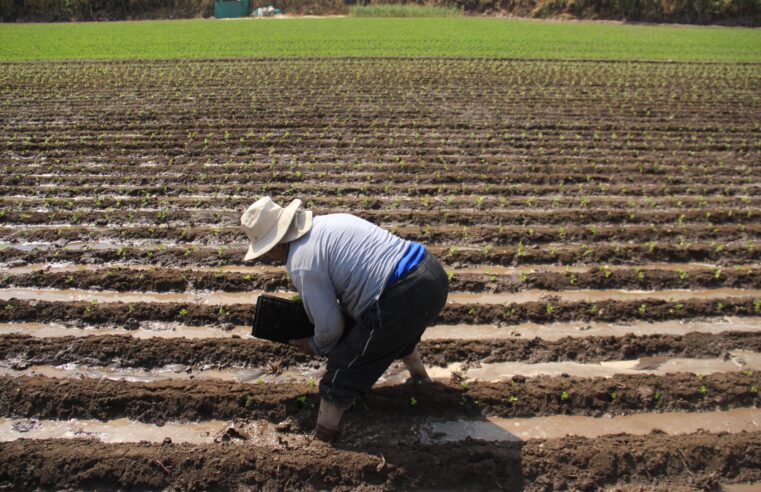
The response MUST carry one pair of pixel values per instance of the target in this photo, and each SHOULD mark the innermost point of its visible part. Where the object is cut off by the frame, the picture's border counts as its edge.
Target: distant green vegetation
(358, 37)
(403, 11)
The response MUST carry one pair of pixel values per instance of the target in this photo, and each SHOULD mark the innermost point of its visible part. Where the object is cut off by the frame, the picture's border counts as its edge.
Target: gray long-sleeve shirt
(342, 263)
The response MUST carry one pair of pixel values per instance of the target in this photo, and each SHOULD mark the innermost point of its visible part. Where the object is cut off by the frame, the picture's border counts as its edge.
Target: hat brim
(271, 239)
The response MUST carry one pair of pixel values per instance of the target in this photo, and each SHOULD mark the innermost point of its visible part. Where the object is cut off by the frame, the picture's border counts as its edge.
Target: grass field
(359, 37)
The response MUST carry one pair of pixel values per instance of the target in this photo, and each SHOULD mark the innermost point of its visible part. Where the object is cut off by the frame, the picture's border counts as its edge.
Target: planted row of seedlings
(126, 180)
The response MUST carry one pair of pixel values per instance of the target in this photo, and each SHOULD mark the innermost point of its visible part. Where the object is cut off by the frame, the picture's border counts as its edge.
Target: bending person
(340, 264)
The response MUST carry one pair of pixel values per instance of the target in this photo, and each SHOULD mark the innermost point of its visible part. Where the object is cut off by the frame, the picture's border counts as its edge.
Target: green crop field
(361, 37)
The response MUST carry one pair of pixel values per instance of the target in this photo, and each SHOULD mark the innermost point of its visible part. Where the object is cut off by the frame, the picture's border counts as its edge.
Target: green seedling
(613, 395)
(248, 277)
(9, 307)
(548, 307)
(702, 390)
(413, 402)
(183, 312)
(642, 308)
(564, 396)
(296, 298)
(311, 383)
(472, 312)
(747, 373)
(658, 395)
(302, 401)
(683, 275)
(450, 275)
(221, 311)
(754, 390)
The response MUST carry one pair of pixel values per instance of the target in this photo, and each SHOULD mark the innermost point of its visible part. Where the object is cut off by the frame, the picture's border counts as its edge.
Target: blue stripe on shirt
(412, 258)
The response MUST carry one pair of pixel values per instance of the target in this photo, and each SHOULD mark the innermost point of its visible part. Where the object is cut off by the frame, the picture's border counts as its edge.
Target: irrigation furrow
(20, 352)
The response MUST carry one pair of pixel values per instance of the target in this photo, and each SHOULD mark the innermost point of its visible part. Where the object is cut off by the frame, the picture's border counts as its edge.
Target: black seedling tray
(280, 320)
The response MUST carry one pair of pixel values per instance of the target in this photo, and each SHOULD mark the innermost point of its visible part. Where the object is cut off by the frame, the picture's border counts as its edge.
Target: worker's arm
(322, 308)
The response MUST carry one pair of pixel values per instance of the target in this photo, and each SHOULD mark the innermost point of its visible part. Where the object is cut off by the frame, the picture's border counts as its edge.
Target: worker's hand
(302, 344)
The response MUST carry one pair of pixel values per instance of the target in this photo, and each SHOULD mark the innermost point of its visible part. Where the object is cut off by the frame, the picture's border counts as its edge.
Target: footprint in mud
(25, 425)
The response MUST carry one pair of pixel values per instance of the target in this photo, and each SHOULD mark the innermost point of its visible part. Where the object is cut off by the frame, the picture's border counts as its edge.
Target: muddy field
(598, 221)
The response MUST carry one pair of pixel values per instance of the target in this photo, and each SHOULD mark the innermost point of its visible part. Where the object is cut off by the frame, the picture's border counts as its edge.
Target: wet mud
(21, 351)
(165, 280)
(594, 253)
(655, 462)
(549, 311)
(158, 402)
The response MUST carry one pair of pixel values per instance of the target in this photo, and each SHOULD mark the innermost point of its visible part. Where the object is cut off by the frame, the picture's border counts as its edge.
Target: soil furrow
(454, 256)
(171, 280)
(656, 462)
(130, 314)
(157, 402)
(462, 217)
(213, 234)
(20, 351)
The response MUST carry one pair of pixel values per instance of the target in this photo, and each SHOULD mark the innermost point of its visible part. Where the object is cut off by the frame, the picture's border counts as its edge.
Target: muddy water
(179, 372)
(491, 429)
(64, 267)
(556, 331)
(148, 329)
(501, 429)
(224, 298)
(496, 270)
(592, 295)
(396, 374)
(738, 360)
(113, 431)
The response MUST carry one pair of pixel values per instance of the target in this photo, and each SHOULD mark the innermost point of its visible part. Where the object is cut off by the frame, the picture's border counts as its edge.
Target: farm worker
(390, 287)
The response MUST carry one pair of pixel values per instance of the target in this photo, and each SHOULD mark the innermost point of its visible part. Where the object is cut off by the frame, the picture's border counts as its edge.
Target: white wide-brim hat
(267, 224)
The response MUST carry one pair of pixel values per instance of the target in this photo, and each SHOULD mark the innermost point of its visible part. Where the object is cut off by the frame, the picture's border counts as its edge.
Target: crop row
(463, 217)
(603, 277)
(22, 351)
(613, 253)
(464, 235)
(157, 402)
(339, 190)
(550, 311)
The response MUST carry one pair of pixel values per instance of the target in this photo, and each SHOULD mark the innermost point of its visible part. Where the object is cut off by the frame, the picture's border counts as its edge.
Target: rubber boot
(414, 364)
(328, 421)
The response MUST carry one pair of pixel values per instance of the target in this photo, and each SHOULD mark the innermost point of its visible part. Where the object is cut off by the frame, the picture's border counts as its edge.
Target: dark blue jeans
(388, 330)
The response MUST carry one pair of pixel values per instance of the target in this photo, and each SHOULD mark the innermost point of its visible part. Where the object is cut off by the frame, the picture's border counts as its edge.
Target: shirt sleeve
(321, 304)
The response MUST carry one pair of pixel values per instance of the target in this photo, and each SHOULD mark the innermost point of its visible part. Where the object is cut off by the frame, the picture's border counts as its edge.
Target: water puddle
(175, 372)
(737, 360)
(504, 429)
(556, 331)
(256, 432)
(78, 267)
(593, 295)
(226, 298)
(147, 329)
(397, 374)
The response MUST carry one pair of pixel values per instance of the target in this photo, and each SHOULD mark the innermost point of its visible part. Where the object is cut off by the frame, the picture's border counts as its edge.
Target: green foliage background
(363, 37)
(742, 12)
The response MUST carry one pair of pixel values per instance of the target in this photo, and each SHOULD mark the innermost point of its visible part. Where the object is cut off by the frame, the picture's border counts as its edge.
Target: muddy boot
(328, 421)
(414, 364)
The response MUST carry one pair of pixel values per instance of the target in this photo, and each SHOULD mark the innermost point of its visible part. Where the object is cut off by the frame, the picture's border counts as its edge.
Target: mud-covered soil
(44, 397)
(656, 461)
(21, 351)
(171, 280)
(129, 315)
(453, 255)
